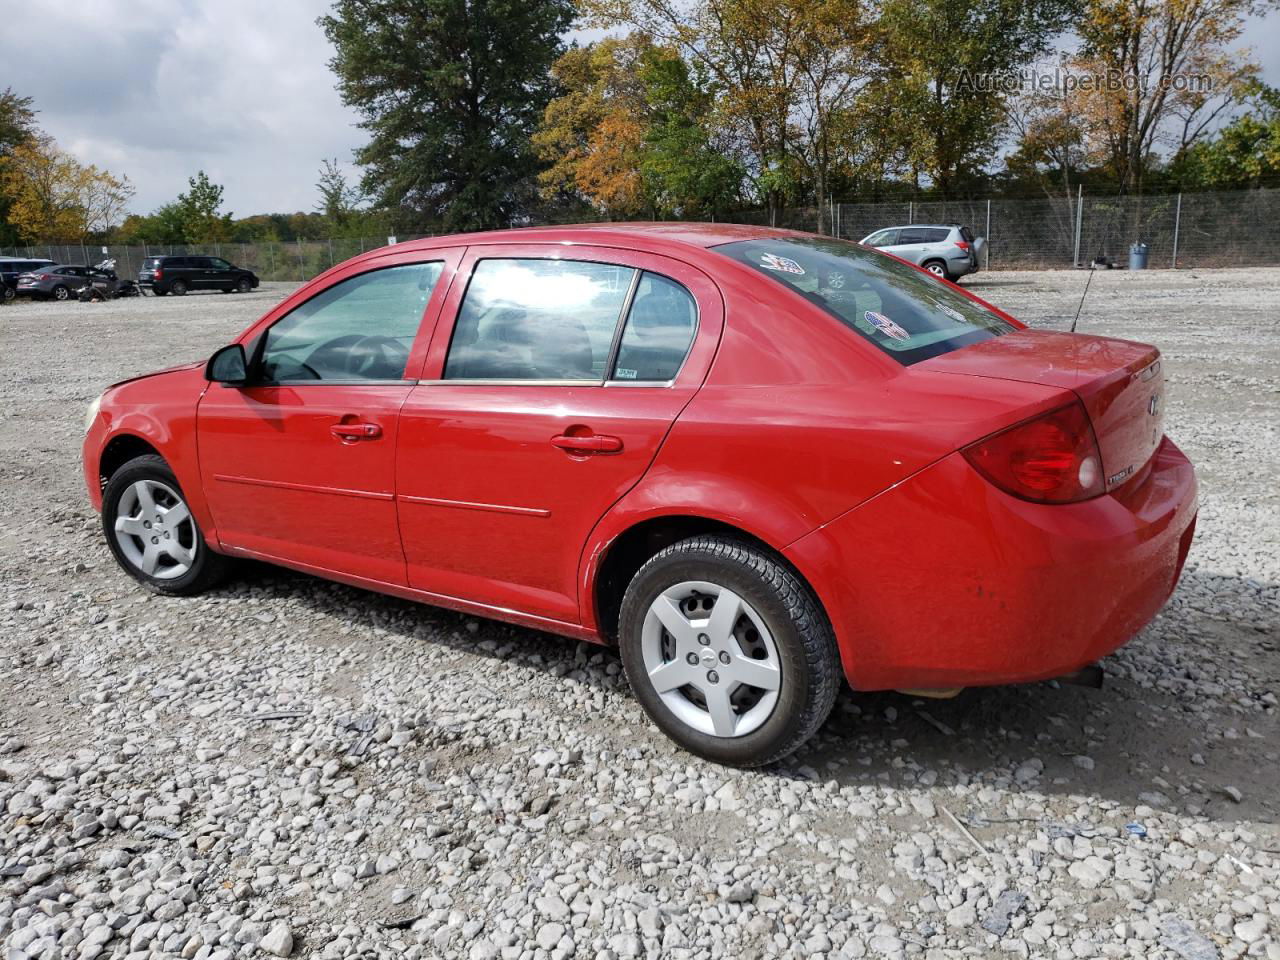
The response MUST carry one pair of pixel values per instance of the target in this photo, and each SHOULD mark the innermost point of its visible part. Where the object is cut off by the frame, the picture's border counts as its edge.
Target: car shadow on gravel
(1128, 742)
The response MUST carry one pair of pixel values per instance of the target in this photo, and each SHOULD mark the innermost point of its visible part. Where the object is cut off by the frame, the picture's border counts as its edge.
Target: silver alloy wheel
(711, 659)
(155, 530)
(61, 293)
(937, 269)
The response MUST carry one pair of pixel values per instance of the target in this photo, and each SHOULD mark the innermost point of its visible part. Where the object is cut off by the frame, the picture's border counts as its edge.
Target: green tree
(938, 58)
(17, 125)
(450, 92)
(1244, 153)
(339, 200)
(690, 169)
(198, 211)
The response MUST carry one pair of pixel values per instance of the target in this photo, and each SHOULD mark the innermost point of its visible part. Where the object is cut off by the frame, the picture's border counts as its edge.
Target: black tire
(244, 285)
(811, 675)
(7, 293)
(938, 268)
(178, 288)
(206, 570)
(60, 293)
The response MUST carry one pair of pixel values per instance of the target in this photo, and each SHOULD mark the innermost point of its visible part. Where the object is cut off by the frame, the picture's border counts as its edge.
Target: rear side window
(912, 235)
(361, 328)
(936, 234)
(659, 329)
(527, 319)
(902, 311)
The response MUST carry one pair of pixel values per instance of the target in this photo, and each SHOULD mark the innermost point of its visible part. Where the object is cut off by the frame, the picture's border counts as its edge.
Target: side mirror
(227, 366)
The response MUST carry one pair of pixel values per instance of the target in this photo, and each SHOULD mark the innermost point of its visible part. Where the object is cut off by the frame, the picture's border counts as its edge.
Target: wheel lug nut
(713, 677)
(155, 539)
(724, 656)
(147, 524)
(703, 639)
(693, 659)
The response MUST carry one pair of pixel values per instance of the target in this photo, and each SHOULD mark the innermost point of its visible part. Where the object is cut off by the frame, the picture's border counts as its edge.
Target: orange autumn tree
(592, 136)
(55, 197)
(1169, 73)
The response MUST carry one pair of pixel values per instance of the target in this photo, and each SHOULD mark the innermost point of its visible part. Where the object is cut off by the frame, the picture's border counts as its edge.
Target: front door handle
(351, 432)
(592, 443)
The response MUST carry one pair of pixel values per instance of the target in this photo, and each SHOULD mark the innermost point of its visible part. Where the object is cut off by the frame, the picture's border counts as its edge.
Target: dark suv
(10, 267)
(178, 275)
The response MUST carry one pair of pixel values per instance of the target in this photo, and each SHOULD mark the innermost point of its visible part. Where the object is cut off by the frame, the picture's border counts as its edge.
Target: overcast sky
(158, 89)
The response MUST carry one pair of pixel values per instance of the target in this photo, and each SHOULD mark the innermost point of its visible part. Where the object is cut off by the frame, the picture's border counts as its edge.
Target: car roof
(904, 226)
(650, 235)
(24, 260)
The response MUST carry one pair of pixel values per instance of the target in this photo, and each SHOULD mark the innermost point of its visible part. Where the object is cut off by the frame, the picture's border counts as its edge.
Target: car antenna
(1082, 296)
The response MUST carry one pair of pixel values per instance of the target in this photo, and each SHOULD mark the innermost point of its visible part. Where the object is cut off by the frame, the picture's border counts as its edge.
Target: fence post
(911, 211)
(1075, 260)
(331, 251)
(271, 258)
(1177, 222)
(987, 266)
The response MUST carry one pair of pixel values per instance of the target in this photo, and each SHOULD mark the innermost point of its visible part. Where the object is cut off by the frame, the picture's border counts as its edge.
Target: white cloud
(156, 91)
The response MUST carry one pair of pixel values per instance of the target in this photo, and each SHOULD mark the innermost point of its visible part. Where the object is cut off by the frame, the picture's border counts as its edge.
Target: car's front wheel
(152, 532)
(728, 651)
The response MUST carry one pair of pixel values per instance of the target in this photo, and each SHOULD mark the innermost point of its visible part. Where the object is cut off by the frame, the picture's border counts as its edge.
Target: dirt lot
(288, 766)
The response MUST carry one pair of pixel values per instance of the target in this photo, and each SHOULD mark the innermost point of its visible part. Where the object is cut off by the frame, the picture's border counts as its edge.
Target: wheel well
(120, 450)
(632, 549)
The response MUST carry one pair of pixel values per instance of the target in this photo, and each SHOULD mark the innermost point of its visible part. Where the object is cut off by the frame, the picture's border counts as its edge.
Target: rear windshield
(906, 313)
(151, 263)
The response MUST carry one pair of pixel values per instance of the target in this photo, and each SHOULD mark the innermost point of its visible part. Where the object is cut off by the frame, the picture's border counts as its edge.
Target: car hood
(190, 365)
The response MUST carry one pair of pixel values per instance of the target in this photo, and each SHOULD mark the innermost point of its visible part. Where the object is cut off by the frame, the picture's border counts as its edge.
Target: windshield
(907, 314)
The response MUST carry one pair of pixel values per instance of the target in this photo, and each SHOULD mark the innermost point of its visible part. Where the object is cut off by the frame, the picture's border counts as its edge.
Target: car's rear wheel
(60, 292)
(937, 268)
(728, 651)
(243, 285)
(152, 532)
(7, 292)
(178, 288)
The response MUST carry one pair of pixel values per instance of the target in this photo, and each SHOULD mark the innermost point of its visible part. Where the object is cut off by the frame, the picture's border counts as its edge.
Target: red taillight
(963, 245)
(156, 274)
(45, 276)
(1052, 458)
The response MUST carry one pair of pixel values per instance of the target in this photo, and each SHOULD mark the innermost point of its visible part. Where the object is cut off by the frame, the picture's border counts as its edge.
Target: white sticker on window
(886, 326)
(623, 373)
(771, 261)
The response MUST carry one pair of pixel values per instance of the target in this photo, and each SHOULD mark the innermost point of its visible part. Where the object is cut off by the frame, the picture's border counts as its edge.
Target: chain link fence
(1224, 229)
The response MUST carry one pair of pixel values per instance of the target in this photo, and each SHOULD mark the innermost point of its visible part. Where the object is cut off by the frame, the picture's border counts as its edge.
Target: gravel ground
(289, 767)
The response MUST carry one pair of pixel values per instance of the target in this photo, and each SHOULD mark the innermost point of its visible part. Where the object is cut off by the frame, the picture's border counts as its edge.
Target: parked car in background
(180, 275)
(11, 267)
(947, 250)
(761, 462)
(54, 282)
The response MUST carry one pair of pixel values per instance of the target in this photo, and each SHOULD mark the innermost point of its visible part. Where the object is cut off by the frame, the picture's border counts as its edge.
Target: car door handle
(351, 432)
(592, 443)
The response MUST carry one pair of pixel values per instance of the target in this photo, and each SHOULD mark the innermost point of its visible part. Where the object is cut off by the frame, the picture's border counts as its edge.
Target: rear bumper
(945, 581)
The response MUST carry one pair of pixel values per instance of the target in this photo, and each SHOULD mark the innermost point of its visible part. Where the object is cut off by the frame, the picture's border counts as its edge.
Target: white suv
(947, 250)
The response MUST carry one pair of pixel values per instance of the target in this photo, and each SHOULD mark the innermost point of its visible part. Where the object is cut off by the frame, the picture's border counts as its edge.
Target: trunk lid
(1120, 382)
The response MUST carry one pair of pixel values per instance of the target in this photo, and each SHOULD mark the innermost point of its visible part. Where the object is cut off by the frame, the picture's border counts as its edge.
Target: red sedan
(755, 460)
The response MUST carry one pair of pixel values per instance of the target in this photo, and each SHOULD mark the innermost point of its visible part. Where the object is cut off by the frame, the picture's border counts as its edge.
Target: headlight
(91, 414)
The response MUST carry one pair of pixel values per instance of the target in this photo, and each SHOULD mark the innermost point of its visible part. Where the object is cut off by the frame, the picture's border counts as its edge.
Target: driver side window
(360, 329)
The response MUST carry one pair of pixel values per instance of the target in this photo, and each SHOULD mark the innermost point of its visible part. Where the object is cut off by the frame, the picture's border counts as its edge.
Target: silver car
(946, 250)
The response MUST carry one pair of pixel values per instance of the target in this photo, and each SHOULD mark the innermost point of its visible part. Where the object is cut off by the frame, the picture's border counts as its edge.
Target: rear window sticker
(625, 373)
(952, 312)
(886, 326)
(771, 261)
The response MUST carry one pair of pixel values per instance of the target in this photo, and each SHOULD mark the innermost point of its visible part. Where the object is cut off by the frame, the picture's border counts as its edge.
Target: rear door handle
(351, 432)
(593, 443)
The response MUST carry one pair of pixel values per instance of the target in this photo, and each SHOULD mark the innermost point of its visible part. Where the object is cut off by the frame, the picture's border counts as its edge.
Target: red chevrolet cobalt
(758, 461)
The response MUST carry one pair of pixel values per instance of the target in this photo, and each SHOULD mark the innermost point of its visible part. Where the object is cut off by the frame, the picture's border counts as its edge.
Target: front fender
(161, 411)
